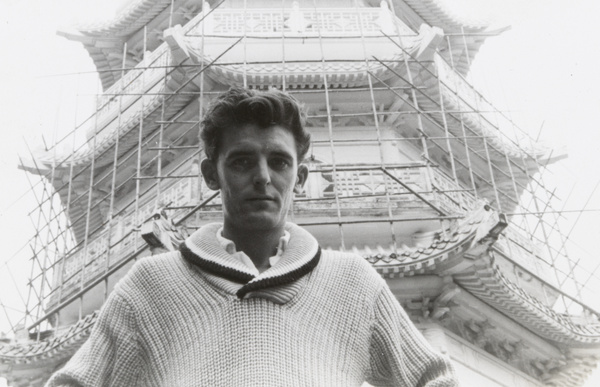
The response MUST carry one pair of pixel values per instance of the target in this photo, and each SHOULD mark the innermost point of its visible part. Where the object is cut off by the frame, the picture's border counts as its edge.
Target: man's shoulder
(151, 271)
(349, 267)
(334, 257)
(153, 263)
(342, 258)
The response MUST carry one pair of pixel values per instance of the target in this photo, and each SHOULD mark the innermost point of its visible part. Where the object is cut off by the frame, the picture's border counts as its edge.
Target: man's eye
(241, 162)
(279, 163)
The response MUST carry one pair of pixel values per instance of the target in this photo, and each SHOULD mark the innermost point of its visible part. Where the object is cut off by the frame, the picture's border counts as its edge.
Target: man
(254, 301)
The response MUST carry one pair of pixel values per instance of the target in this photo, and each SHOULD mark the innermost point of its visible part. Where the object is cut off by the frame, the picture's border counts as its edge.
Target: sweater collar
(229, 245)
(301, 255)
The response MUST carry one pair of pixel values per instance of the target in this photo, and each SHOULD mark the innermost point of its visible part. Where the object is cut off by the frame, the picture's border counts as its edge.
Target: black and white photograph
(300, 193)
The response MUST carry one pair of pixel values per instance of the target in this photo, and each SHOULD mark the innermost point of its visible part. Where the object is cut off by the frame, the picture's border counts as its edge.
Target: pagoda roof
(438, 13)
(453, 104)
(223, 67)
(122, 107)
(104, 40)
(128, 20)
(31, 363)
(489, 284)
(118, 119)
(138, 13)
(181, 84)
(176, 88)
(472, 236)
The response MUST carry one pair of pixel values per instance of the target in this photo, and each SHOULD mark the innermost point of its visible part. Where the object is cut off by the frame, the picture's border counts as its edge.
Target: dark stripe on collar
(286, 278)
(213, 267)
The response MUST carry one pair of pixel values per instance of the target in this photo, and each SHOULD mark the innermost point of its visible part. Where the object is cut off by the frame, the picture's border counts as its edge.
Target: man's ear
(210, 175)
(301, 177)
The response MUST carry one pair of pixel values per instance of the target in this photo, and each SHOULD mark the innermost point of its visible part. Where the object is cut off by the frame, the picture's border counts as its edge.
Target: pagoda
(411, 168)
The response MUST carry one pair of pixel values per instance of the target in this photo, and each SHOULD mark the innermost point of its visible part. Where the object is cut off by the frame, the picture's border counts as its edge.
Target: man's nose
(262, 176)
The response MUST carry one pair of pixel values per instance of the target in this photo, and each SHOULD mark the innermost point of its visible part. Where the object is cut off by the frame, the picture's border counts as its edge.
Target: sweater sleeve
(399, 354)
(110, 356)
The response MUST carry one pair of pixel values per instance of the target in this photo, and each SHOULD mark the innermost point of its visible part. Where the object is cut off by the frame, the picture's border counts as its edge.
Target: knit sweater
(198, 317)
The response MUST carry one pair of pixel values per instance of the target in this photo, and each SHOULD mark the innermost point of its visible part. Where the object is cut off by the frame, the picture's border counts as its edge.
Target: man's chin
(261, 221)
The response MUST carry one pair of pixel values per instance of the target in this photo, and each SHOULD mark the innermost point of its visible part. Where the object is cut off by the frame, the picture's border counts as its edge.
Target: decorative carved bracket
(161, 234)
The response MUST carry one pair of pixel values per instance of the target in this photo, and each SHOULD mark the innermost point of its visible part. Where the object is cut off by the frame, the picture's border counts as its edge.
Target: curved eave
(470, 237)
(178, 91)
(105, 52)
(490, 285)
(465, 37)
(135, 16)
(455, 93)
(437, 13)
(445, 86)
(477, 122)
(527, 154)
(103, 156)
(461, 50)
(43, 163)
(307, 72)
(23, 363)
(305, 75)
(444, 251)
(104, 41)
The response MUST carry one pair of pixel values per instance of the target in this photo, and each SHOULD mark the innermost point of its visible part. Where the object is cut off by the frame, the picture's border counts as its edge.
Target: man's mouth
(261, 198)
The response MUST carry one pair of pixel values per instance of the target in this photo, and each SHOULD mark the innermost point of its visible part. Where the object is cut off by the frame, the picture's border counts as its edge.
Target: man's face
(257, 172)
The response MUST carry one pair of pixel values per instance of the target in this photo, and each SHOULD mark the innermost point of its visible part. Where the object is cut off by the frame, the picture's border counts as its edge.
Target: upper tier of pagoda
(107, 41)
(300, 47)
(244, 47)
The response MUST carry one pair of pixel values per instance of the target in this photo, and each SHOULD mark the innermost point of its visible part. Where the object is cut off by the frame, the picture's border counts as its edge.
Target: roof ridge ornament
(297, 23)
(386, 19)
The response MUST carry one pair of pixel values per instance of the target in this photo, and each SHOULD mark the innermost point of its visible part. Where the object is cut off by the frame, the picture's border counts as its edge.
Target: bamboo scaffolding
(374, 111)
(330, 130)
(151, 176)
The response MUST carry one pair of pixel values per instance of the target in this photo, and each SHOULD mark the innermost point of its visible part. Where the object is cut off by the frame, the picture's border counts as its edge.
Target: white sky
(544, 71)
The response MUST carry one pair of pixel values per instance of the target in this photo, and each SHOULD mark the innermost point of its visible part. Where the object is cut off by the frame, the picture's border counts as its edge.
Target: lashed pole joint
(412, 191)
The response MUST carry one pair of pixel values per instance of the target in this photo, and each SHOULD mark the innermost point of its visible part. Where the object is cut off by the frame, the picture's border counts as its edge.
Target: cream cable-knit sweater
(199, 318)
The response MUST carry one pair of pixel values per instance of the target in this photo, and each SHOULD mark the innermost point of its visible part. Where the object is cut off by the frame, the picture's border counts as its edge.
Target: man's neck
(258, 245)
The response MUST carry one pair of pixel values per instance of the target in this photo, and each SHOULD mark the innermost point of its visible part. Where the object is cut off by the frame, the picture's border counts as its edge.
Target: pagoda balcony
(137, 91)
(308, 22)
(362, 191)
(123, 101)
(416, 195)
(311, 52)
(225, 23)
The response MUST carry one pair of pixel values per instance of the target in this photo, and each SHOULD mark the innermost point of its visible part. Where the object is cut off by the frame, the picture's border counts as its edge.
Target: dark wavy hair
(239, 106)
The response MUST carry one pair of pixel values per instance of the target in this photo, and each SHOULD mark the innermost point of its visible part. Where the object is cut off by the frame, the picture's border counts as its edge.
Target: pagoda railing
(358, 187)
(356, 190)
(123, 239)
(129, 88)
(307, 22)
(322, 22)
(56, 306)
(373, 187)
